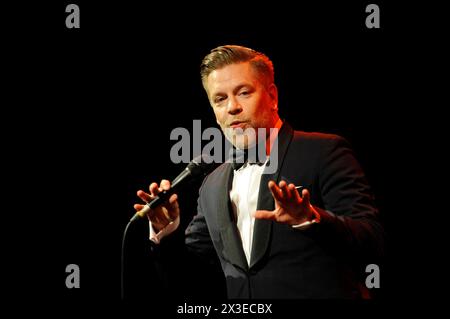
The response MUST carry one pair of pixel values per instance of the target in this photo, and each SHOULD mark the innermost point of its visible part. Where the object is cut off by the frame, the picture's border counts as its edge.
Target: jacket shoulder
(316, 136)
(318, 139)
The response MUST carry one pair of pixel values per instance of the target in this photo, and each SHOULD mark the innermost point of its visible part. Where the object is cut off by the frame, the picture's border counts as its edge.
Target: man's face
(241, 101)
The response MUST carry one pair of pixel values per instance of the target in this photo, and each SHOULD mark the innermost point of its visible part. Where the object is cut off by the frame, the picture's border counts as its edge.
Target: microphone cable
(122, 263)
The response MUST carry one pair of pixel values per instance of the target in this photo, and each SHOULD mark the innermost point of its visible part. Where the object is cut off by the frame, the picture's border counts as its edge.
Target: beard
(245, 139)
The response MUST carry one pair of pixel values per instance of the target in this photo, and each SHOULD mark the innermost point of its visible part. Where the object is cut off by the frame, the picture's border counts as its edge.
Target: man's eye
(245, 93)
(219, 99)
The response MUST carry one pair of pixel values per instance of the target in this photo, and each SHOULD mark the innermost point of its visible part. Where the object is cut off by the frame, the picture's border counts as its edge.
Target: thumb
(264, 214)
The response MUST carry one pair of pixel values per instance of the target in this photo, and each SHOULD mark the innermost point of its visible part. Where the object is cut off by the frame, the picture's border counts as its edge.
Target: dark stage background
(97, 106)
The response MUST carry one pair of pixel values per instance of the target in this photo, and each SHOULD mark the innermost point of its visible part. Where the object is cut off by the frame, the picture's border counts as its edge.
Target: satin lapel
(229, 232)
(263, 228)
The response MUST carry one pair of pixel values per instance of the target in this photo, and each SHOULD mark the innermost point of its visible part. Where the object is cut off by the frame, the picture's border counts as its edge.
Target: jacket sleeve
(350, 220)
(198, 240)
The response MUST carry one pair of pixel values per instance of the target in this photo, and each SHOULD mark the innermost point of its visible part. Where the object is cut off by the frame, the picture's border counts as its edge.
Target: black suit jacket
(319, 262)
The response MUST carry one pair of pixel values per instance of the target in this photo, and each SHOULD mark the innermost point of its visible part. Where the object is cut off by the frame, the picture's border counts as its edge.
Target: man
(272, 240)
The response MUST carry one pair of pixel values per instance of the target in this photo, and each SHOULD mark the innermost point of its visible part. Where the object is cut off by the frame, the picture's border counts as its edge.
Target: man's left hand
(290, 207)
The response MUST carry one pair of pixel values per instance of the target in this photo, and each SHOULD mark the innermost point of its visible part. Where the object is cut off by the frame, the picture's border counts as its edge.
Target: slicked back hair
(233, 54)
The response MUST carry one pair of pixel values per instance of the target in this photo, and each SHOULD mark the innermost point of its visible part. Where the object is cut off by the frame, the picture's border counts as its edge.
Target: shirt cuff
(308, 223)
(170, 228)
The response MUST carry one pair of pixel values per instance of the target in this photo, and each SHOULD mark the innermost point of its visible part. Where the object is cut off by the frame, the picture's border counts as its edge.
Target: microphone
(200, 166)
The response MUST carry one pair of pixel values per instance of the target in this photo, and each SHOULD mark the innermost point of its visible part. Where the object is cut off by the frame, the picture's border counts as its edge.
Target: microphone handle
(162, 197)
(158, 200)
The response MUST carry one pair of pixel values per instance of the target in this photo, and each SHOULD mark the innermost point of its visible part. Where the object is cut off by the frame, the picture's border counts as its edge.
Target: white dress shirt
(244, 198)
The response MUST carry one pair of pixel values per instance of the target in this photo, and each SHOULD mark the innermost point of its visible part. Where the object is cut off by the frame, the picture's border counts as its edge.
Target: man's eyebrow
(235, 90)
(241, 86)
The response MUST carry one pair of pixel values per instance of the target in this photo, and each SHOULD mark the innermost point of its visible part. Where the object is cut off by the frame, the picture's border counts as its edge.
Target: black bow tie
(240, 157)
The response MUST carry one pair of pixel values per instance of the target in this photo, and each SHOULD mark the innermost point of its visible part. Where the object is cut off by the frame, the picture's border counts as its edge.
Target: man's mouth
(237, 124)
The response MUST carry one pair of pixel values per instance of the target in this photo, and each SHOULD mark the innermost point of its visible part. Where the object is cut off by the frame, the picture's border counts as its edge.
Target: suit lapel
(263, 228)
(229, 232)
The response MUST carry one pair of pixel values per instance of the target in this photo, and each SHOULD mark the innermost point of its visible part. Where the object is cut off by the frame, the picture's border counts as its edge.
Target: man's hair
(232, 54)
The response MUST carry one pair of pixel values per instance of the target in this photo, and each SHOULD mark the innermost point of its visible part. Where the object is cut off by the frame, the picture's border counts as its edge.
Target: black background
(93, 109)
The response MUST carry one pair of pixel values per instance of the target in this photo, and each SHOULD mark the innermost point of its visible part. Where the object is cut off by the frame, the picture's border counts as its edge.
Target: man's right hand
(162, 215)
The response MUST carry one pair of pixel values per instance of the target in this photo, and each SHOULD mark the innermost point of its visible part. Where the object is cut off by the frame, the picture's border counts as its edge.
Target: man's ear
(273, 93)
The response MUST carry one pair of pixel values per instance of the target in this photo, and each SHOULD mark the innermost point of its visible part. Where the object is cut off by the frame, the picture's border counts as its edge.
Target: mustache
(236, 122)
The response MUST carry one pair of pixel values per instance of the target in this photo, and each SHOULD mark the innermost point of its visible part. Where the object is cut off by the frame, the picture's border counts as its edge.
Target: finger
(154, 189)
(295, 193)
(158, 222)
(166, 214)
(306, 197)
(264, 214)
(276, 192)
(144, 196)
(173, 199)
(173, 208)
(138, 207)
(285, 190)
(165, 184)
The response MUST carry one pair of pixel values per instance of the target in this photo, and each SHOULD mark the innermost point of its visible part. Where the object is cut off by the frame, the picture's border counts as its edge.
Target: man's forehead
(230, 76)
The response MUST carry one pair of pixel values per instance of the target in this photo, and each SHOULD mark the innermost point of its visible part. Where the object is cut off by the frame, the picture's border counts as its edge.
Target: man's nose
(234, 107)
